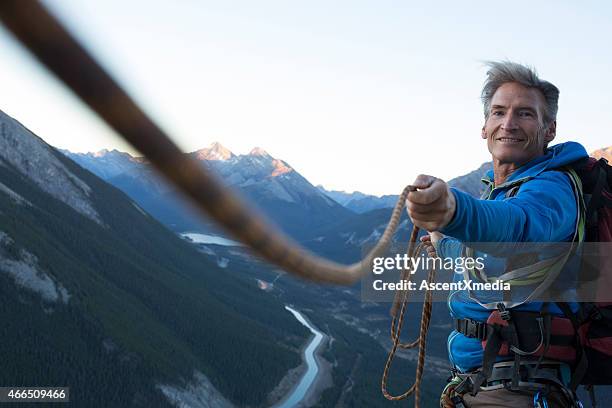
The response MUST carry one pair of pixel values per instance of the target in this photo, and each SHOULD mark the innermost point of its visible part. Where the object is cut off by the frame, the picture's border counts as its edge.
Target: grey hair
(501, 72)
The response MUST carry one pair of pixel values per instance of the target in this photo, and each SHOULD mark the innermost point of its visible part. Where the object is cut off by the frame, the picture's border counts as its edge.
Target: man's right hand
(433, 205)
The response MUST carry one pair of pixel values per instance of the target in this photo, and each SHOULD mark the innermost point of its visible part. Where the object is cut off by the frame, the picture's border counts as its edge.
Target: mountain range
(269, 184)
(340, 225)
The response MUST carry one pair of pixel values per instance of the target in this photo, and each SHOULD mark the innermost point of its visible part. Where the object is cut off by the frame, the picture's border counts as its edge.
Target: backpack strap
(539, 271)
(582, 363)
(582, 210)
(542, 272)
(596, 197)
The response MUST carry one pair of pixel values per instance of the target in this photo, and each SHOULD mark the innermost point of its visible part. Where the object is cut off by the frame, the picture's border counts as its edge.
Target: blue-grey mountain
(99, 296)
(270, 184)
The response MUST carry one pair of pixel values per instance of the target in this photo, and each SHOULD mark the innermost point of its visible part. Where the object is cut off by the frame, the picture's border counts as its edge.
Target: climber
(528, 199)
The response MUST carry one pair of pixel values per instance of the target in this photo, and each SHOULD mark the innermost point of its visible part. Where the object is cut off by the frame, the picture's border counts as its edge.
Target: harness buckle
(503, 313)
(466, 384)
(472, 328)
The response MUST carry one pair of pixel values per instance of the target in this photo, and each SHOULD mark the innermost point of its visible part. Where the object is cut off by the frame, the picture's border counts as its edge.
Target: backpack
(593, 320)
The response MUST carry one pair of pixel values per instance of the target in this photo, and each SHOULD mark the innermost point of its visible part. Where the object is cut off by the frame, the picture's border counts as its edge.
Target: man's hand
(433, 205)
(431, 242)
(432, 238)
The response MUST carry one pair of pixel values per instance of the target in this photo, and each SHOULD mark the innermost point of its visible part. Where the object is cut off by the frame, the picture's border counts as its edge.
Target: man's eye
(497, 113)
(526, 114)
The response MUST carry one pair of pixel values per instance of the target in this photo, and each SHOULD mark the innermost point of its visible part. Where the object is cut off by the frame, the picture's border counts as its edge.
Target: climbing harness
(540, 378)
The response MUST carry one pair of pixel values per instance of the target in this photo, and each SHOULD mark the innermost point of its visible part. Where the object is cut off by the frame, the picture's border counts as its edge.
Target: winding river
(299, 392)
(309, 377)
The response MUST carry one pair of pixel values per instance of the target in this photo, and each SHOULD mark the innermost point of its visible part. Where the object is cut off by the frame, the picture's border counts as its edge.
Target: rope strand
(397, 322)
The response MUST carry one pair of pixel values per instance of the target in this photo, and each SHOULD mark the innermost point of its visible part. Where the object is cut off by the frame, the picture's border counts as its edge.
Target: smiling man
(529, 198)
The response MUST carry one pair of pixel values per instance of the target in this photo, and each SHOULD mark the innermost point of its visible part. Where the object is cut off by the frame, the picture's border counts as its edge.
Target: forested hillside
(100, 297)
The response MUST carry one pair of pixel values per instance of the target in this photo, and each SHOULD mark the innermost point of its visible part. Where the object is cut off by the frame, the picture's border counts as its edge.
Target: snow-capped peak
(111, 154)
(258, 151)
(100, 153)
(216, 151)
(280, 168)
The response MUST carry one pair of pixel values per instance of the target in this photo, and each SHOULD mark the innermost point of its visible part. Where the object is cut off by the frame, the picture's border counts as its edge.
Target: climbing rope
(400, 305)
(54, 47)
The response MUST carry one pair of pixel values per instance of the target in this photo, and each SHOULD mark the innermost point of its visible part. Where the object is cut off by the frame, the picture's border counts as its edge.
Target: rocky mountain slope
(99, 296)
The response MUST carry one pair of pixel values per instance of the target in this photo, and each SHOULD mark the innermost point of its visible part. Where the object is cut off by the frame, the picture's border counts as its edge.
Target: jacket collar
(527, 171)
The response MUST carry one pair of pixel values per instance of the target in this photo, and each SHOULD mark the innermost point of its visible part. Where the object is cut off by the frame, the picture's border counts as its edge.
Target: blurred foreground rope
(54, 47)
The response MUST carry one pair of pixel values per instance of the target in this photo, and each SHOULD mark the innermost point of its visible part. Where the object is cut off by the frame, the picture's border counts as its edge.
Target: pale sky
(355, 95)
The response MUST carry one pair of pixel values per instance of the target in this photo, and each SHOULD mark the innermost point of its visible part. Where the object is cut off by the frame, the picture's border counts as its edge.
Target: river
(299, 392)
(209, 239)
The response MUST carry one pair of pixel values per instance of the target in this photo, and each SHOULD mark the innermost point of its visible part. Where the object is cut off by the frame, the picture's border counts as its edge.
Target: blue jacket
(543, 210)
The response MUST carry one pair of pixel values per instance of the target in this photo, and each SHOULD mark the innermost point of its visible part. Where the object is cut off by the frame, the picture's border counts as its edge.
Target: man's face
(514, 130)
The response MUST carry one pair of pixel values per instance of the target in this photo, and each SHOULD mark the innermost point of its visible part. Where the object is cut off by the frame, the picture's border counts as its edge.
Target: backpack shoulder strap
(582, 363)
(541, 273)
(603, 181)
(579, 195)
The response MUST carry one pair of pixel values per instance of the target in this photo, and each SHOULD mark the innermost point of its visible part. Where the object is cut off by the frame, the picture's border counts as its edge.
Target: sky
(354, 95)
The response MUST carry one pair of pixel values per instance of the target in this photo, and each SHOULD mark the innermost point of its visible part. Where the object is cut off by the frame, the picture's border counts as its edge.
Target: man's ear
(483, 134)
(551, 132)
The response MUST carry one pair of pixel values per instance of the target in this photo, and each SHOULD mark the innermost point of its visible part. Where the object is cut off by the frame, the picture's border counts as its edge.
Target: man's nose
(509, 122)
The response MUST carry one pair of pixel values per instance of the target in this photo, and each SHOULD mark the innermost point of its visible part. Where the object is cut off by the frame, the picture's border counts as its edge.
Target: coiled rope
(398, 311)
(54, 47)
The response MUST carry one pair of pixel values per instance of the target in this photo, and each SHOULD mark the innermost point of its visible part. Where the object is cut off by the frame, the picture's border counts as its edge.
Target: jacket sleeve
(544, 210)
(449, 247)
